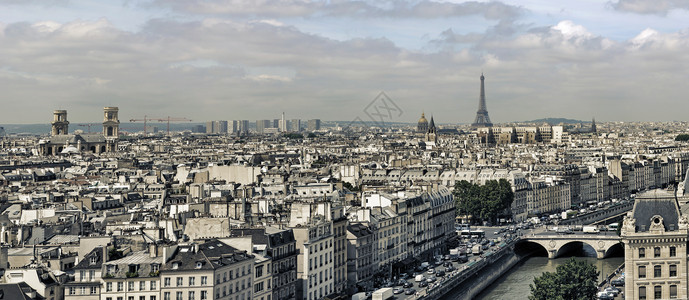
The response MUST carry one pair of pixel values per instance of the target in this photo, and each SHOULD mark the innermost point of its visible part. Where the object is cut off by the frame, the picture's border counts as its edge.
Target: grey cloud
(342, 8)
(219, 69)
(658, 7)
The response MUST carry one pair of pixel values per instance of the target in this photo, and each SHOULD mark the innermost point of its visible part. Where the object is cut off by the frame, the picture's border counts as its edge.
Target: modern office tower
(261, 125)
(221, 127)
(295, 125)
(243, 127)
(314, 124)
(482, 119)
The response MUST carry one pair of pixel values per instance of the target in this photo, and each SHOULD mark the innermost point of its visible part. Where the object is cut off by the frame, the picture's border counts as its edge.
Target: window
(192, 295)
(108, 287)
(642, 272)
(673, 251)
(192, 281)
(120, 286)
(204, 280)
(656, 252)
(657, 292)
(152, 298)
(673, 270)
(142, 297)
(72, 291)
(179, 296)
(180, 281)
(153, 286)
(204, 295)
(673, 292)
(94, 290)
(130, 298)
(166, 296)
(142, 285)
(259, 271)
(642, 252)
(166, 282)
(657, 271)
(130, 286)
(82, 275)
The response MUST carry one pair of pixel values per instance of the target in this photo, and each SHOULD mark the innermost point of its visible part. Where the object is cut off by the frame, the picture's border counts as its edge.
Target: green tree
(683, 137)
(574, 280)
(484, 202)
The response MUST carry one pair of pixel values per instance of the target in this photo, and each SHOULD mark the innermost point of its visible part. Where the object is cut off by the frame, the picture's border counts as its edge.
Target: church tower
(431, 138)
(111, 127)
(482, 119)
(60, 125)
(593, 125)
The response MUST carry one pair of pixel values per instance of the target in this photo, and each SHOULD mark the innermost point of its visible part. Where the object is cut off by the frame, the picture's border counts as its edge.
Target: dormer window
(199, 264)
(175, 265)
(93, 260)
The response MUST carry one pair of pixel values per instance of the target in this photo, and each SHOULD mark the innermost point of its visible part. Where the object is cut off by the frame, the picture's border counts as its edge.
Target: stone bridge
(553, 243)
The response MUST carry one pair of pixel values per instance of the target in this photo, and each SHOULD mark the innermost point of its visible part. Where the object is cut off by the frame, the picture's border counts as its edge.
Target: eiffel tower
(482, 119)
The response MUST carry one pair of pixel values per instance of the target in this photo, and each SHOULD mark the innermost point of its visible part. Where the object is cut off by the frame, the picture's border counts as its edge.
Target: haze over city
(612, 60)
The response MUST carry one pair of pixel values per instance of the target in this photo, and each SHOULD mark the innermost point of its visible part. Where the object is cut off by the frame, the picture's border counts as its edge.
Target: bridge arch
(576, 246)
(556, 245)
(615, 250)
(525, 247)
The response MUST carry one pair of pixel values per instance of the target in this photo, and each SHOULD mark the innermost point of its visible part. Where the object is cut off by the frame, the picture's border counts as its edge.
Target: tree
(683, 137)
(574, 280)
(483, 201)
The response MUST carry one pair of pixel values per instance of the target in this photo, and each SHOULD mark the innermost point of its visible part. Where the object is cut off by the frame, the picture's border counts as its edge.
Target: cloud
(217, 68)
(424, 9)
(657, 7)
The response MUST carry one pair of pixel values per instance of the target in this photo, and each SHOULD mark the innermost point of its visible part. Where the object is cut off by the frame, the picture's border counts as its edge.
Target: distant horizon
(618, 60)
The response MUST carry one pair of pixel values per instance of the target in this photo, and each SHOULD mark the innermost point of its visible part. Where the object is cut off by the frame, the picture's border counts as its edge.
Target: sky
(617, 60)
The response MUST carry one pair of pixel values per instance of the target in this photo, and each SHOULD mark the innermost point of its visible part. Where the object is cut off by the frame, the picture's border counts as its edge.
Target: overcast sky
(619, 60)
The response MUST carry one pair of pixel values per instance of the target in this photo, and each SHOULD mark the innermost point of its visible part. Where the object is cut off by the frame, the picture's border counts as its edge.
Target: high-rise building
(283, 124)
(243, 127)
(314, 124)
(210, 127)
(482, 119)
(295, 125)
(221, 127)
(261, 125)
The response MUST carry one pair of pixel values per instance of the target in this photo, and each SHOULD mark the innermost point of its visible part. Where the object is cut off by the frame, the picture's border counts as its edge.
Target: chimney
(153, 250)
(105, 253)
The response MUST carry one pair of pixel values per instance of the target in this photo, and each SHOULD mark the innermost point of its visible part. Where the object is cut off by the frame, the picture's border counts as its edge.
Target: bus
(613, 226)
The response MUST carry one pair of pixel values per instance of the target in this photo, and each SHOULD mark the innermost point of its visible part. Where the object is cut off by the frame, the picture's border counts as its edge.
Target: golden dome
(423, 119)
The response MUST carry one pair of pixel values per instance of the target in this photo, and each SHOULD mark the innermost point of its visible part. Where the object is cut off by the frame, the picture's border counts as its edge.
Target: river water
(515, 283)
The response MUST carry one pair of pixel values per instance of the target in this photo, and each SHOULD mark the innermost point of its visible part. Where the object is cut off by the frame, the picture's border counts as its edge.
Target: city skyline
(223, 60)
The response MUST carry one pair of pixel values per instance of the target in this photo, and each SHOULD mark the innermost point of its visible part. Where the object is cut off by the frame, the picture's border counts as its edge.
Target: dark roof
(656, 204)
(359, 230)
(85, 263)
(13, 291)
(259, 236)
(211, 255)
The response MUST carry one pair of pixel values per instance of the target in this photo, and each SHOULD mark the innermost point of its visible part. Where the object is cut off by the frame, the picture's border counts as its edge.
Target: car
(604, 296)
(431, 271)
(430, 279)
(410, 291)
(397, 291)
(401, 282)
(612, 290)
(450, 269)
(463, 259)
(423, 284)
(440, 273)
(407, 285)
(446, 257)
(617, 282)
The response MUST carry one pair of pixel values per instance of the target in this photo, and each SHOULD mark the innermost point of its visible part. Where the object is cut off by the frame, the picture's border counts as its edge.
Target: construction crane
(174, 120)
(168, 119)
(145, 120)
(88, 125)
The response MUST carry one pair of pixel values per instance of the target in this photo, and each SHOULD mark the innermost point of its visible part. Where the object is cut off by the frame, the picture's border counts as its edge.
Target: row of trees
(485, 202)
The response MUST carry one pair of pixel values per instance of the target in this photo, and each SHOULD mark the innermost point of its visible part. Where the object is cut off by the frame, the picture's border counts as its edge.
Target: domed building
(422, 126)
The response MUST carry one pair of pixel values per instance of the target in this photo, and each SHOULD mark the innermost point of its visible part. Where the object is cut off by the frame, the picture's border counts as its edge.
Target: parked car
(440, 273)
(431, 271)
(410, 291)
(407, 285)
(397, 291)
(423, 284)
(617, 282)
(604, 296)
(430, 279)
